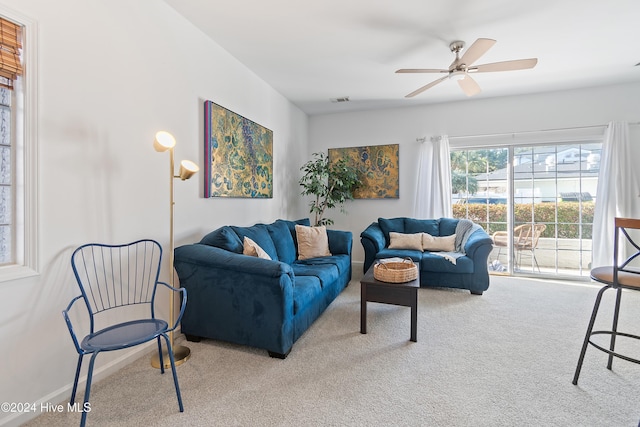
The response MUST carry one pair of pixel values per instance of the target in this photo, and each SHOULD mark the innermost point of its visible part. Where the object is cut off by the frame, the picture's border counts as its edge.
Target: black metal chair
(119, 277)
(621, 275)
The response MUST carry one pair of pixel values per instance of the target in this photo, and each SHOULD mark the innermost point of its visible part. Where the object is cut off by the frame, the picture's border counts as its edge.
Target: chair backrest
(526, 236)
(623, 256)
(112, 276)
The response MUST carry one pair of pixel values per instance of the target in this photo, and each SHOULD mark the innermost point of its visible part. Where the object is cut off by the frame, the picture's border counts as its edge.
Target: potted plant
(332, 183)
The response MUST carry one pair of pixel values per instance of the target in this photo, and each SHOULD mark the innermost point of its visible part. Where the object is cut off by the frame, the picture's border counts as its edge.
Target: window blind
(10, 46)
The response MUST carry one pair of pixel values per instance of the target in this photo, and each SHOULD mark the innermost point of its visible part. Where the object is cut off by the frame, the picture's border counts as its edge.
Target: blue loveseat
(465, 268)
(258, 302)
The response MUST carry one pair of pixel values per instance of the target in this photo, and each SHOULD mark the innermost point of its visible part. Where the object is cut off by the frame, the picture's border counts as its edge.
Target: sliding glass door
(536, 201)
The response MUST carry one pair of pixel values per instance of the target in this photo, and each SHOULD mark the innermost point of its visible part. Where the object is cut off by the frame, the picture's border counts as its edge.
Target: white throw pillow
(405, 241)
(251, 248)
(438, 244)
(313, 242)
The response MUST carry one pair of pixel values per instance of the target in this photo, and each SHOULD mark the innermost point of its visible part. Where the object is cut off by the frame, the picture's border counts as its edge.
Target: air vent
(343, 99)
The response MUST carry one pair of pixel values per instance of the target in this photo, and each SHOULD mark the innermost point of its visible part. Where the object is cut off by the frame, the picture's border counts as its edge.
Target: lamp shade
(164, 141)
(187, 169)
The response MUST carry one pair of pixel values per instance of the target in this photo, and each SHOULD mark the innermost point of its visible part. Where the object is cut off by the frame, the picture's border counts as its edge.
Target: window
(536, 194)
(7, 185)
(18, 153)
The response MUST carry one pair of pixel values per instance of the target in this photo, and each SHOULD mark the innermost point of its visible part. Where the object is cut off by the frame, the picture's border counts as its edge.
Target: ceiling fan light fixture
(457, 75)
(463, 65)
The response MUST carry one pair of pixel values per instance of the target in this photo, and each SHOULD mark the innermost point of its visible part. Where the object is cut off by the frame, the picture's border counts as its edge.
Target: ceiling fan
(461, 67)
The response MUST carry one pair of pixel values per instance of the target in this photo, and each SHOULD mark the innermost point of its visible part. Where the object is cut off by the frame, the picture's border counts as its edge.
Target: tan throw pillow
(313, 242)
(405, 241)
(438, 244)
(251, 248)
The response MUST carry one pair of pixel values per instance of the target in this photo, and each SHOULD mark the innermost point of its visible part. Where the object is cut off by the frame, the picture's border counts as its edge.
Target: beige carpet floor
(505, 358)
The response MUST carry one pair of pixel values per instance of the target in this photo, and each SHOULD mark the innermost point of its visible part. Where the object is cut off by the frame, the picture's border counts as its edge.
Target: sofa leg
(476, 292)
(192, 338)
(276, 355)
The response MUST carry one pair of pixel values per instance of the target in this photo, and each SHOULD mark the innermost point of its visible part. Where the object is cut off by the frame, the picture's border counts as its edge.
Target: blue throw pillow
(448, 226)
(388, 225)
(282, 238)
(431, 226)
(259, 234)
(223, 238)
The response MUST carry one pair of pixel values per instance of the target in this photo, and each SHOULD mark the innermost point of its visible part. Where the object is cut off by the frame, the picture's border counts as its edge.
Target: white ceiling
(311, 52)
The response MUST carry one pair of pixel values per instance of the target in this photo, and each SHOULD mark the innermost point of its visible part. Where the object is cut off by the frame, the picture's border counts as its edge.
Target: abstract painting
(238, 155)
(378, 169)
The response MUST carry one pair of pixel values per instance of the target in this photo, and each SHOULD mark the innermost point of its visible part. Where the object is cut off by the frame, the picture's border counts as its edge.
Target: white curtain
(618, 190)
(433, 198)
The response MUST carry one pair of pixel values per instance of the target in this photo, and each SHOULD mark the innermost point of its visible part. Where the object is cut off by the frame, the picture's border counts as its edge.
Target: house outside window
(548, 188)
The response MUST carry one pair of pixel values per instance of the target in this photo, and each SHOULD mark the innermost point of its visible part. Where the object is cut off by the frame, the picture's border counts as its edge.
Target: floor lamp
(166, 142)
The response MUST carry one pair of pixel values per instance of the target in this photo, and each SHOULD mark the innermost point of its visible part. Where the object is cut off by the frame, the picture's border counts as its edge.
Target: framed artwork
(378, 168)
(238, 155)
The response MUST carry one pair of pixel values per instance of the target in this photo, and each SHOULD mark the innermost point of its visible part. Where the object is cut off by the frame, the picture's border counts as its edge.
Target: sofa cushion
(259, 234)
(447, 226)
(326, 273)
(405, 241)
(312, 242)
(437, 243)
(282, 238)
(388, 225)
(438, 264)
(251, 248)
(292, 230)
(400, 253)
(306, 290)
(342, 262)
(431, 226)
(224, 238)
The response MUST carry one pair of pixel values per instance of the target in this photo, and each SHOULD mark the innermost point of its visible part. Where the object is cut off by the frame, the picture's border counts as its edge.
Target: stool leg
(594, 313)
(614, 329)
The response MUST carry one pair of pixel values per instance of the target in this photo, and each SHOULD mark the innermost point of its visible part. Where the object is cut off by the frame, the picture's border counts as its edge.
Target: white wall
(111, 74)
(557, 110)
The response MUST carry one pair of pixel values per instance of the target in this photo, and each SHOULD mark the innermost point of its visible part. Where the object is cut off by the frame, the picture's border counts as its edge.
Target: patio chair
(122, 281)
(618, 276)
(525, 238)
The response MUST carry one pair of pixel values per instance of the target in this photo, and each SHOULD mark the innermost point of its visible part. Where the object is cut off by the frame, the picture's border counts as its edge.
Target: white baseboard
(63, 394)
(356, 270)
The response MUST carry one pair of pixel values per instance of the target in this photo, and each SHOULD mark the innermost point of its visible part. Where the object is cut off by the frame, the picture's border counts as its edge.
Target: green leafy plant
(332, 184)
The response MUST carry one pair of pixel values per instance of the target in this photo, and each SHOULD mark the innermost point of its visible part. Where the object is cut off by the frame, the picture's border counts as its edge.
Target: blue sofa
(258, 302)
(469, 270)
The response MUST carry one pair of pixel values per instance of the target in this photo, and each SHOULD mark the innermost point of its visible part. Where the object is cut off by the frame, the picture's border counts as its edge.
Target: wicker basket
(396, 272)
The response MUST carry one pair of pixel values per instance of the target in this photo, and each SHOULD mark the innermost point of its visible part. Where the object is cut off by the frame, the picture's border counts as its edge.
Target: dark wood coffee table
(404, 294)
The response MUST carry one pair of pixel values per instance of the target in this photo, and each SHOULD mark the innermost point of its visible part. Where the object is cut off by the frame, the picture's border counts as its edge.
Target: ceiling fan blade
(421, 70)
(517, 64)
(476, 50)
(469, 86)
(425, 87)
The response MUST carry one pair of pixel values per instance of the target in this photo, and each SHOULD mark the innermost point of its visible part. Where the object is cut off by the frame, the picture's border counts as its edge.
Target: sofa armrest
(374, 234)
(340, 242)
(236, 298)
(478, 239)
(212, 258)
(373, 241)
